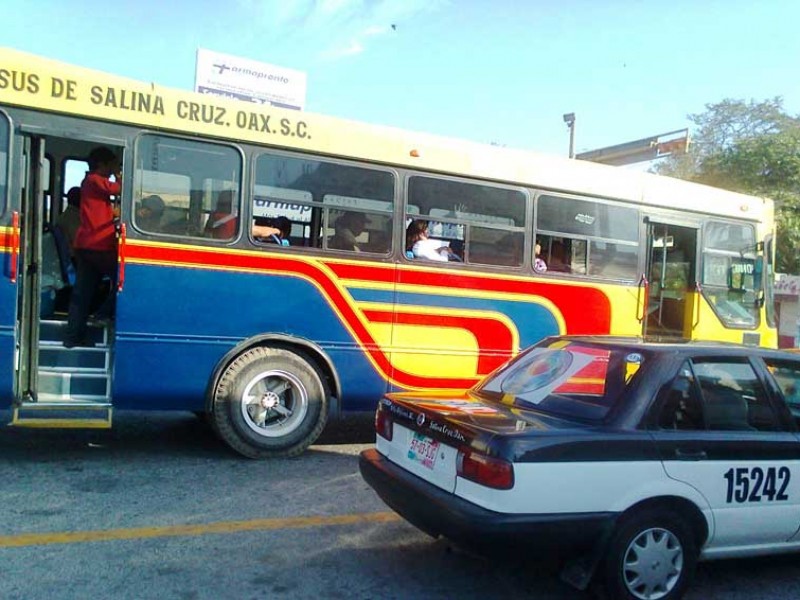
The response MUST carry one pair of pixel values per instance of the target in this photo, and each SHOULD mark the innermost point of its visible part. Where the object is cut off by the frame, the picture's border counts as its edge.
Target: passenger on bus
(421, 246)
(538, 262)
(275, 231)
(222, 223)
(347, 228)
(149, 213)
(95, 243)
(69, 220)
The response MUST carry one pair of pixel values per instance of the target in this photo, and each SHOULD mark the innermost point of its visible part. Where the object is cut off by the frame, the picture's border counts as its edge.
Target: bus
(269, 342)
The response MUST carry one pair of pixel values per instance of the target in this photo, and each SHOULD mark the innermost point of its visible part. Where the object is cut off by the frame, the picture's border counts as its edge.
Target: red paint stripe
(263, 263)
(495, 340)
(586, 310)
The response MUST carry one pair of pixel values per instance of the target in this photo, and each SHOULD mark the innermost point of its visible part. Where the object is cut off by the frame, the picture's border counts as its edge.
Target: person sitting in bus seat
(421, 246)
(347, 228)
(95, 243)
(222, 223)
(272, 231)
(538, 262)
(149, 212)
(69, 220)
(558, 259)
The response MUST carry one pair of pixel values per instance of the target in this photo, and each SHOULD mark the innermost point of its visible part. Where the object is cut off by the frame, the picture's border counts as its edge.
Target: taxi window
(680, 406)
(733, 397)
(787, 376)
(565, 379)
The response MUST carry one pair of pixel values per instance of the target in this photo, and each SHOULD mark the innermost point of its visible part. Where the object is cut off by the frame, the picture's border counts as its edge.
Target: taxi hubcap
(652, 564)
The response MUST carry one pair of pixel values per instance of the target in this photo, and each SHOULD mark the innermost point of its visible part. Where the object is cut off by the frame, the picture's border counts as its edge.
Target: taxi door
(718, 430)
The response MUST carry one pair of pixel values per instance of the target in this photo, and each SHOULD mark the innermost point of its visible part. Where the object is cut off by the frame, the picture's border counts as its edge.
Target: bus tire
(270, 402)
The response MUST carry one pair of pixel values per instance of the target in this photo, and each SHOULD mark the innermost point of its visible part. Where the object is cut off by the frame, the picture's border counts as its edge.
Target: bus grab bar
(121, 256)
(14, 245)
(643, 283)
(698, 292)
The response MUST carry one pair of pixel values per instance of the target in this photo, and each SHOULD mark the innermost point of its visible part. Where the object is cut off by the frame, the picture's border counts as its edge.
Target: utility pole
(569, 119)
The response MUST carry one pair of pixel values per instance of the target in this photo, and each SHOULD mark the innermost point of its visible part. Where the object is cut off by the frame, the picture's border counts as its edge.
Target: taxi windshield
(566, 379)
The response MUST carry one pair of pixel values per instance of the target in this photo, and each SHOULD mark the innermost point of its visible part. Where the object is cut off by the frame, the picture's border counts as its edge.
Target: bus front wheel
(270, 402)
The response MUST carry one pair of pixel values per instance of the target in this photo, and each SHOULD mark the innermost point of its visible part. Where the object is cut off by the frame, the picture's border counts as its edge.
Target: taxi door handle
(690, 454)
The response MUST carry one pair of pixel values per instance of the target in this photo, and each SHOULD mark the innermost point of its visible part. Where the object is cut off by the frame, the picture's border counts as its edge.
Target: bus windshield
(729, 272)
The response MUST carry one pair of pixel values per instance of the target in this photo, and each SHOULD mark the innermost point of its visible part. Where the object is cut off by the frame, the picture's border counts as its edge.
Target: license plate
(423, 450)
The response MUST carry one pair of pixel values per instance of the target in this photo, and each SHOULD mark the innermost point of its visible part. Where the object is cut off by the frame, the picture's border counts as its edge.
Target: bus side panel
(174, 324)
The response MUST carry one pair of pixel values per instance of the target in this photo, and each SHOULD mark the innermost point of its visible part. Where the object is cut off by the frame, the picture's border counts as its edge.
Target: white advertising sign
(249, 80)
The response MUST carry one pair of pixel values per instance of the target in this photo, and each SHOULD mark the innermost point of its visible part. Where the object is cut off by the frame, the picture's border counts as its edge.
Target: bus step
(55, 356)
(48, 416)
(67, 384)
(52, 332)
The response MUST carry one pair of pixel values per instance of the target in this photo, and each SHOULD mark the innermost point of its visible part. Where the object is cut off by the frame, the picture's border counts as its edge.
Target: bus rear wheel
(270, 402)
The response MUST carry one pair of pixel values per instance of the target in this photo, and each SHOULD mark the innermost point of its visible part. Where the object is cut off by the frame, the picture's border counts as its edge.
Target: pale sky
(502, 71)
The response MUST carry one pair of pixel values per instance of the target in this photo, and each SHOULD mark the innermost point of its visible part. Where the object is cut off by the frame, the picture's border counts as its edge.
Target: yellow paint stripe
(108, 535)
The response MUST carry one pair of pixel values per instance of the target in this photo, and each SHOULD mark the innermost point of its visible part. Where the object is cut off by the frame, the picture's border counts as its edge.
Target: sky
(491, 71)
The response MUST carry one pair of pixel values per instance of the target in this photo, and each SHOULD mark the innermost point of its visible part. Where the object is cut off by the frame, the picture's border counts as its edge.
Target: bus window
(4, 146)
(729, 282)
(189, 188)
(317, 195)
(482, 224)
(585, 237)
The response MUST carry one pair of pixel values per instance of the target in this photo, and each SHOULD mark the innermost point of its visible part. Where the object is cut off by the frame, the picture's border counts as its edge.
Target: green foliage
(753, 148)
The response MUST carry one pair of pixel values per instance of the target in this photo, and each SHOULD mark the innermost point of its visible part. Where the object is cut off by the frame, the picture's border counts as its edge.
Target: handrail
(121, 256)
(698, 291)
(643, 284)
(14, 246)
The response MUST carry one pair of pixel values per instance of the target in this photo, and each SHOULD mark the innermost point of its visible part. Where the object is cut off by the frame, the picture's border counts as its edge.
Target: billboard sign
(249, 80)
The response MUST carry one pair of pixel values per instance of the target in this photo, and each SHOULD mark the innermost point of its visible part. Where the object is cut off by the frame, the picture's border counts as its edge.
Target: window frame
(588, 239)
(319, 219)
(524, 229)
(4, 197)
(186, 238)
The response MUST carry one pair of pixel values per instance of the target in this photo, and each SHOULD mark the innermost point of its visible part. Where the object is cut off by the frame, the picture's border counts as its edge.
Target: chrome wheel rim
(274, 403)
(653, 564)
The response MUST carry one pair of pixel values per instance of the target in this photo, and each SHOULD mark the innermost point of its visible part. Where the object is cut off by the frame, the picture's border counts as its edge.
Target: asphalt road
(158, 508)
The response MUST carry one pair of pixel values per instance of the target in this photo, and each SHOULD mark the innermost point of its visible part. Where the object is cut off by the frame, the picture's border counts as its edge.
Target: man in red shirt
(95, 243)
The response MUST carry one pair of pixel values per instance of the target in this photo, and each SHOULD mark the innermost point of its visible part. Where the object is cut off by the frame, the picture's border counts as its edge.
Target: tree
(753, 148)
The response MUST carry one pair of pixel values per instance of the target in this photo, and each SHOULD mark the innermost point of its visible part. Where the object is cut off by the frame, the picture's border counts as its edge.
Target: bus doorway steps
(75, 415)
(74, 384)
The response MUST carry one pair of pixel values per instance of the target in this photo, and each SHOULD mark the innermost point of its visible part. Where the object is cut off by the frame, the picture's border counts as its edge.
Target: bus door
(669, 284)
(30, 263)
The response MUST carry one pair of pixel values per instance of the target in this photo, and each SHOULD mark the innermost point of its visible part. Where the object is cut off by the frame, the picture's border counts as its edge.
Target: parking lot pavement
(158, 508)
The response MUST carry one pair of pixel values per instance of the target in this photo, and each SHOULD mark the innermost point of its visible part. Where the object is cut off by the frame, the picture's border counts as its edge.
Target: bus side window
(315, 194)
(189, 178)
(588, 237)
(483, 224)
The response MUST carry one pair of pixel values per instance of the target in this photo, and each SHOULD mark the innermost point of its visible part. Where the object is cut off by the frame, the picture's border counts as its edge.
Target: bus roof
(35, 82)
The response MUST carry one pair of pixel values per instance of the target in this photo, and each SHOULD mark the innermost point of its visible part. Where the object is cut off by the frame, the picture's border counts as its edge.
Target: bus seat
(68, 273)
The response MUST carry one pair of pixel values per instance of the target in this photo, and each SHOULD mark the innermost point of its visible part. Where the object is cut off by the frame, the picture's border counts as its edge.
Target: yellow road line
(72, 537)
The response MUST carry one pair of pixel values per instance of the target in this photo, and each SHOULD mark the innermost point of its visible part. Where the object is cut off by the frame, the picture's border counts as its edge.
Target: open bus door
(56, 385)
(671, 289)
(31, 223)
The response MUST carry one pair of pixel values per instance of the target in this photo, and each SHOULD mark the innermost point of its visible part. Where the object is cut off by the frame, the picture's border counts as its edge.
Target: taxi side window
(787, 375)
(681, 408)
(733, 396)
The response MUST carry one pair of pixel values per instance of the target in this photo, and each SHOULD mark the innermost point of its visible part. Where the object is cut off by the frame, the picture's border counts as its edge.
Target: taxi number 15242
(754, 484)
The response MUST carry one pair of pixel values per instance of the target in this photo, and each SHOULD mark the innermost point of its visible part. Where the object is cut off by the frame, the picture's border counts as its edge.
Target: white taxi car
(634, 459)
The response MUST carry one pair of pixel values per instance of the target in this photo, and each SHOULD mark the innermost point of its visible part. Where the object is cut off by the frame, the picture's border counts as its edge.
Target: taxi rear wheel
(270, 402)
(651, 556)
